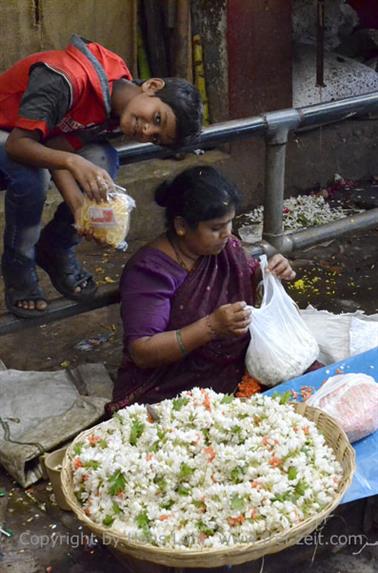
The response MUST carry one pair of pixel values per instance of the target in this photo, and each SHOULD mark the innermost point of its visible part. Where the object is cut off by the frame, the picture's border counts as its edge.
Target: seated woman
(184, 296)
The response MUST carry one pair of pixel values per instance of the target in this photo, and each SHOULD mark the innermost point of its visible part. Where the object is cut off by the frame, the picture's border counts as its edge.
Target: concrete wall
(349, 148)
(35, 25)
(209, 19)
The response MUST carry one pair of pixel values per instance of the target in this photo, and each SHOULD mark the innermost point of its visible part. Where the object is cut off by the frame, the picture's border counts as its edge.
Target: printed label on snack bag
(100, 217)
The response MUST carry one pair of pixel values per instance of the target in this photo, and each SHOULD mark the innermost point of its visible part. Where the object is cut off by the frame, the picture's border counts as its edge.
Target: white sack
(341, 335)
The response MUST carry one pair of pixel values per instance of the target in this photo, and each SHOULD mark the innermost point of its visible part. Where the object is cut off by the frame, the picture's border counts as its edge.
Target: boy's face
(147, 119)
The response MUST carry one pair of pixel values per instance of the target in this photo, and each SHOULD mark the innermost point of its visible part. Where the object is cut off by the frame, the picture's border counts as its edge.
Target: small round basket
(229, 555)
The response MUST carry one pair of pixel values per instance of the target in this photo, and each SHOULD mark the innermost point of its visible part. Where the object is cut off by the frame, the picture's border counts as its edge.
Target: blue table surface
(365, 481)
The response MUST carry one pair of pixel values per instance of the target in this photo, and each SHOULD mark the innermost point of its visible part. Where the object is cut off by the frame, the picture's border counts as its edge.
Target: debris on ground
(338, 199)
(298, 213)
(336, 185)
(88, 344)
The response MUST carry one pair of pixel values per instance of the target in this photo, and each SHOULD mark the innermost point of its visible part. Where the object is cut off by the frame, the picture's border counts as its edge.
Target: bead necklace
(179, 258)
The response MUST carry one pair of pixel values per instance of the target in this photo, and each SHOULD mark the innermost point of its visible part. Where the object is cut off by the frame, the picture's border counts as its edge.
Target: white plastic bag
(352, 399)
(341, 335)
(363, 334)
(331, 332)
(281, 346)
(108, 221)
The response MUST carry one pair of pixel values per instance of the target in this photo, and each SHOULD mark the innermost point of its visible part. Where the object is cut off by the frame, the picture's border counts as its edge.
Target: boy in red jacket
(53, 106)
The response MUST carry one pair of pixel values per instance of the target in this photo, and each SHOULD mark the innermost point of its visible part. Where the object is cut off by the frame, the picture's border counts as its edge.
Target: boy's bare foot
(23, 295)
(32, 304)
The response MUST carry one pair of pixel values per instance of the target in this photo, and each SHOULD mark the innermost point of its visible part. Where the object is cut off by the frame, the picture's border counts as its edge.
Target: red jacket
(90, 70)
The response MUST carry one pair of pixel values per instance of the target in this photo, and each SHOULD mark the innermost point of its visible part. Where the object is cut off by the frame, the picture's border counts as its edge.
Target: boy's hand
(94, 181)
(90, 235)
(281, 267)
(231, 319)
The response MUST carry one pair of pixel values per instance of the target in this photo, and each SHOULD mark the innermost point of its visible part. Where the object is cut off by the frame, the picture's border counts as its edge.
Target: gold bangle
(180, 343)
(212, 330)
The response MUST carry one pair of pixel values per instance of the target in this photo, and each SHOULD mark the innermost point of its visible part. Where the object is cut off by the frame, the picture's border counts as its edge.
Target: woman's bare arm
(168, 347)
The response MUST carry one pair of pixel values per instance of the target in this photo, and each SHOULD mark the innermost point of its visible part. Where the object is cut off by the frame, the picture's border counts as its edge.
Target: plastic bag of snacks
(108, 221)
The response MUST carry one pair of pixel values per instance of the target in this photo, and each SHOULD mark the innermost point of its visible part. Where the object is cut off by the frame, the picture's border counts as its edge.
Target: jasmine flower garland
(300, 212)
(209, 470)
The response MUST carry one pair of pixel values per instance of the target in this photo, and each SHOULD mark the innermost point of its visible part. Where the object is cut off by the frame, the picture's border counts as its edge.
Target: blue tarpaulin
(365, 481)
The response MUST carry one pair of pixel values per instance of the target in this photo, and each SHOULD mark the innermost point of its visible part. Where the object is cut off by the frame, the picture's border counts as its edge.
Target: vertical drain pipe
(278, 126)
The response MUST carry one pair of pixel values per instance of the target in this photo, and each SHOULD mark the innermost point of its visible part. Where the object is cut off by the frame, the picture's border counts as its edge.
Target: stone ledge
(140, 180)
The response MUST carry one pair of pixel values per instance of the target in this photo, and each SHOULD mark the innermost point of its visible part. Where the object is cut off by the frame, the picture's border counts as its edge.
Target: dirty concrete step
(140, 179)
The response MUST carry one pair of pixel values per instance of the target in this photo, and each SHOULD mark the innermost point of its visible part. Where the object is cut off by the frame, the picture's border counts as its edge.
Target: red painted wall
(367, 11)
(259, 39)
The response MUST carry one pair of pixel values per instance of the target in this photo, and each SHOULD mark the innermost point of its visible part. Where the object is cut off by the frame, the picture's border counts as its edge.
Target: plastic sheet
(365, 481)
(352, 399)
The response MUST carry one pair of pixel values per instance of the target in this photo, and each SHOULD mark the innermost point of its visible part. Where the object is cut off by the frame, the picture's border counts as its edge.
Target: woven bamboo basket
(229, 555)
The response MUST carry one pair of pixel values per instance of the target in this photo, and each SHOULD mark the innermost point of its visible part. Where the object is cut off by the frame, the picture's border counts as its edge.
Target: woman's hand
(94, 181)
(230, 319)
(281, 267)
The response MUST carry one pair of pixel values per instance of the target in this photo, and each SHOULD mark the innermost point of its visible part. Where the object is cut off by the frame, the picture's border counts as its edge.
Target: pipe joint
(278, 243)
(279, 123)
(261, 248)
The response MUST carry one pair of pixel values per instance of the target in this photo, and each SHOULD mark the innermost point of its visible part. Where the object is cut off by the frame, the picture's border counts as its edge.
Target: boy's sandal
(27, 289)
(66, 273)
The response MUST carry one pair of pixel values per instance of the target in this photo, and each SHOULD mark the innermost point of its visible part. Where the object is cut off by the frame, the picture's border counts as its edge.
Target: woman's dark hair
(197, 194)
(185, 101)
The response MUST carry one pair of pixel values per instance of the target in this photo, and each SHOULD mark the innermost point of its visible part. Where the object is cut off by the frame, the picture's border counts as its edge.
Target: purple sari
(216, 280)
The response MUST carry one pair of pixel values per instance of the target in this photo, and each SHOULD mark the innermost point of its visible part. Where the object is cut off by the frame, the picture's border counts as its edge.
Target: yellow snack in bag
(107, 221)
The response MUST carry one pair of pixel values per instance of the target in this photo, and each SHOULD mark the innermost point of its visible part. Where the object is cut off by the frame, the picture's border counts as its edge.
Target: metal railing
(275, 126)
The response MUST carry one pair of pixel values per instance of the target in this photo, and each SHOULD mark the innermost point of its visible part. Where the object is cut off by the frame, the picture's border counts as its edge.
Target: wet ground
(340, 276)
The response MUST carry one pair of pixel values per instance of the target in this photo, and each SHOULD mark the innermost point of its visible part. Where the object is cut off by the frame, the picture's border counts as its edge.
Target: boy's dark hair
(197, 194)
(185, 101)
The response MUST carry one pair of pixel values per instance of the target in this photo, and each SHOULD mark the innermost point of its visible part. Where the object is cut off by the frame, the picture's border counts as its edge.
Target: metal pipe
(261, 248)
(340, 109)
(59, 309)
(244, 129)
(275, 160)
(313, 235)
(217, 133)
